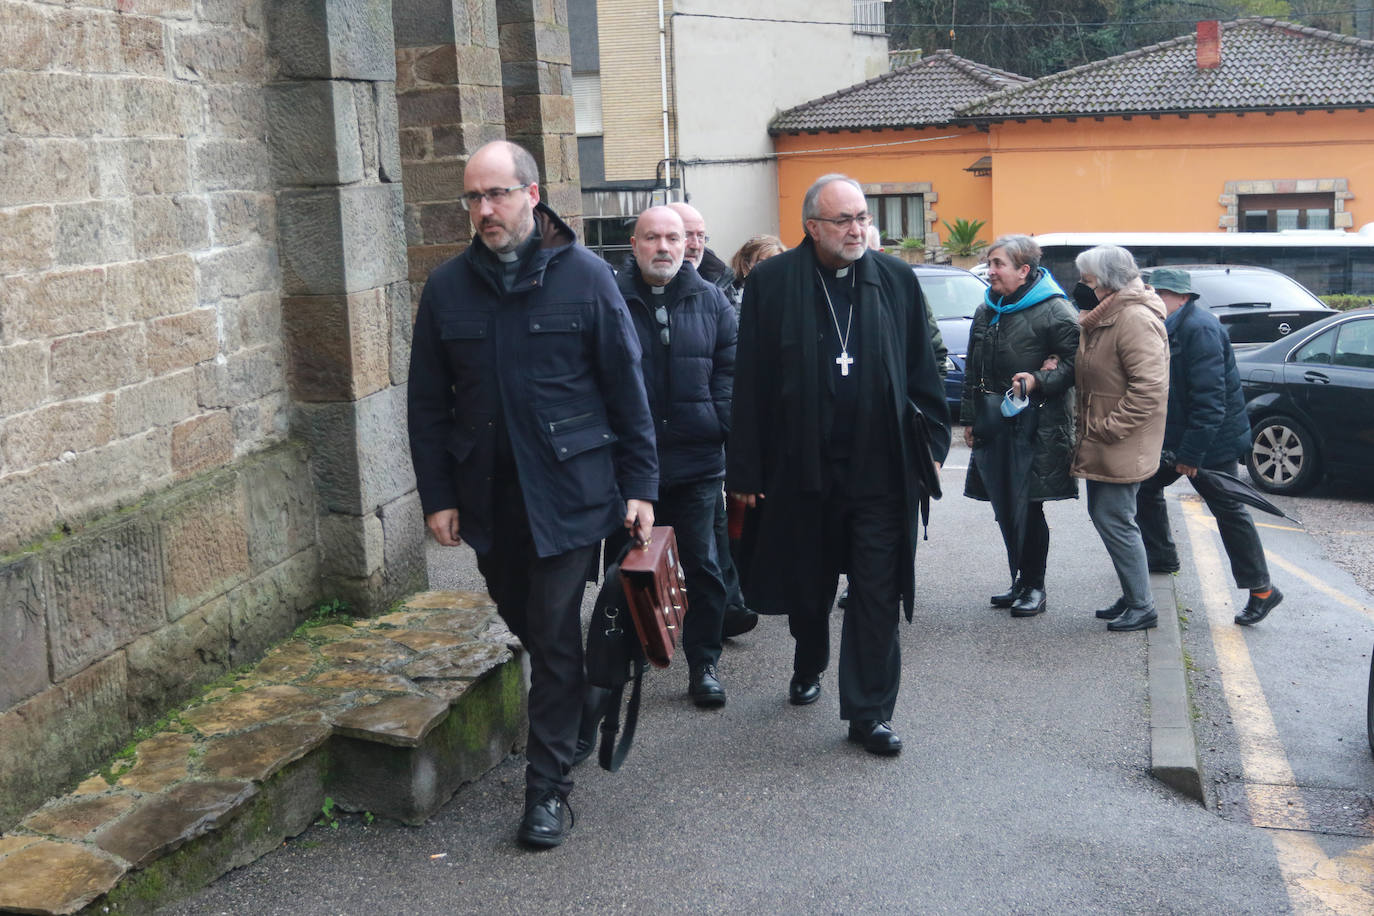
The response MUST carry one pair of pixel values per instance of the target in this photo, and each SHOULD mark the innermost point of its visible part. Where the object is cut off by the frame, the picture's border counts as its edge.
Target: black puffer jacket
(1019, 342)
(690, 381)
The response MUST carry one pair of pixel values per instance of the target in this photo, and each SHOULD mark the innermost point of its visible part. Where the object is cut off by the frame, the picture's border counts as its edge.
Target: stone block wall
(100, 632)
(140, 305)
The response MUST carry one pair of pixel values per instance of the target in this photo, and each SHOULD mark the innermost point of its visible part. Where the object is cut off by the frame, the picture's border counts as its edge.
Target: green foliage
(331, 612)
(1037, 37)
(330, 818)
(1347, 301)
(963, 239)
(910, 244)
(368, 818)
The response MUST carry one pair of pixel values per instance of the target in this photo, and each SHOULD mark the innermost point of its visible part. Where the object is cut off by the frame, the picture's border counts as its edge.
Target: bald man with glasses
(531, 439)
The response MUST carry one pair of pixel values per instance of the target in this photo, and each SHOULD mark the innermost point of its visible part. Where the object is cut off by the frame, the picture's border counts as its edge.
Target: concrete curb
(1174, 758)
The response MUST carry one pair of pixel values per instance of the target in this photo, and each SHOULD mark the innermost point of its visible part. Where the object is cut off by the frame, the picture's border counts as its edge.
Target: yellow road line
(1316, 883)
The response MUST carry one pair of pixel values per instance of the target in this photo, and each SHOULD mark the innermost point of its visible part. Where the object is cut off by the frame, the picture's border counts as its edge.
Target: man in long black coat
(834, 367)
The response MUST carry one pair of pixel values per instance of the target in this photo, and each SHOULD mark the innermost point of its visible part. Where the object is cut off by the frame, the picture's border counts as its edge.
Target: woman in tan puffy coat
(1122, 378)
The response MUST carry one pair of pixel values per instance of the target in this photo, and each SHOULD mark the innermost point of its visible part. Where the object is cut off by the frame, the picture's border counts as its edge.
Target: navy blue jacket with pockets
(690, 381)
(558, 357)
(1207, 423)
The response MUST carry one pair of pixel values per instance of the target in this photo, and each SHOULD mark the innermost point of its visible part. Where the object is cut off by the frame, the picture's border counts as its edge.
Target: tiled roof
(1266, 64)
(923, 93)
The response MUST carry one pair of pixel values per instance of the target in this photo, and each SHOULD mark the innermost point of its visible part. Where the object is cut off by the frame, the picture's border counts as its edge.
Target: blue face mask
(1014, 401)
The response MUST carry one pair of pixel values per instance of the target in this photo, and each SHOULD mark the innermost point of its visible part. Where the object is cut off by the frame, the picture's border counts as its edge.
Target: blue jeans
(1111, 506)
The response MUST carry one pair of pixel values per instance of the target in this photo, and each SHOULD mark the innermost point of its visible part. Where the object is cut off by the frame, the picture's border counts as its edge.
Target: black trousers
(690, 509)
(864, 537)
(729, 572)
(1234, 524)
(540, 599)
(1035, 546)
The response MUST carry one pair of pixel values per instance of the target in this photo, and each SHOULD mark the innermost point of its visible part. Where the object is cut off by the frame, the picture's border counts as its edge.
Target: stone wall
(102, 631)
(140, 307)
(207, 257)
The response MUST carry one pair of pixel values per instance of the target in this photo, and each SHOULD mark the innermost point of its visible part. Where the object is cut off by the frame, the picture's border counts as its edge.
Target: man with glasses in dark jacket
(1206, 427)
(531, 439)
(687, 331)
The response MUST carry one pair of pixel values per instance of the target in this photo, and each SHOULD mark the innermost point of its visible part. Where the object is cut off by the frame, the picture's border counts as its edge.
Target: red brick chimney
(1208, 45)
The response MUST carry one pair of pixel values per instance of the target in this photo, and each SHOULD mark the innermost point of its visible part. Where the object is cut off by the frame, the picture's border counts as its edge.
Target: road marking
(1316, 882)
(1297, 572)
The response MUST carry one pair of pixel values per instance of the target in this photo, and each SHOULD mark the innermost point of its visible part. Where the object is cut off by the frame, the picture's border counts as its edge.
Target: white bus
(1323, 260)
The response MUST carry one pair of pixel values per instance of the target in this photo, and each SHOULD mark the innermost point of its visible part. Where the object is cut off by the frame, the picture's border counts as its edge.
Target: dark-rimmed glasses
(842, 221)
(473, 199)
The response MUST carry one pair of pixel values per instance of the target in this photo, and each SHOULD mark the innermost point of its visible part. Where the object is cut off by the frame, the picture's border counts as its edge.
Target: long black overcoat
(776, 442)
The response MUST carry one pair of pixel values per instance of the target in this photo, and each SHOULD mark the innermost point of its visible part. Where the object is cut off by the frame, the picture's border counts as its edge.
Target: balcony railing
(870, 17)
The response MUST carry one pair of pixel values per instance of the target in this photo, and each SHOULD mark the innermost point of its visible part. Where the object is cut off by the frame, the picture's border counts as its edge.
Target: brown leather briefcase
(656, 589)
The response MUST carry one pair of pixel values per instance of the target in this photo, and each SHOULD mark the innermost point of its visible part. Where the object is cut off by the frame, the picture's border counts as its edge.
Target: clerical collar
(508, 256)
(658, 290)
(842, 272)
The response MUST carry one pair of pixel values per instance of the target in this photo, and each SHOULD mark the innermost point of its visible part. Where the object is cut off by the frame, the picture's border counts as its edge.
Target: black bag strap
(612, 753)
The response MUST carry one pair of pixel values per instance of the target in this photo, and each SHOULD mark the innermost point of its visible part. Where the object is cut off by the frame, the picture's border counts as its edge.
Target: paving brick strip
(389, 715)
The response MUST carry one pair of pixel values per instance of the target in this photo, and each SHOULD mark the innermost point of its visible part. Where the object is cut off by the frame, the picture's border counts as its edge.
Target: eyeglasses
(661, 316)
(842, 222)
(698, 237)
(473, 199)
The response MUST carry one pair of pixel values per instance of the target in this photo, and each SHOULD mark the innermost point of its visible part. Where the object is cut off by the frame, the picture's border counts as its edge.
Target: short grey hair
(810, 208)
(1021, 249)
(1113, 266)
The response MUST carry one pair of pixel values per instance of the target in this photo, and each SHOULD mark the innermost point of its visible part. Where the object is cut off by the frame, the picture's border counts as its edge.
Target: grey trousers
(1111, 506)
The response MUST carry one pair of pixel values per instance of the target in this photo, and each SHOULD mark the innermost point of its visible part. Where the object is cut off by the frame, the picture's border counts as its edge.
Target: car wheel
(1283, 456)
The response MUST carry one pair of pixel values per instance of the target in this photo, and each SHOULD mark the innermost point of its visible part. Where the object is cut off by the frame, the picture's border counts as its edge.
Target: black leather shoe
(876, 737)
(593, 711)
(1137, 618)
(843, 602)
(704, 687)
(1113, 612)
(1008, 597)
(1030, 603)
(546, 821)
(1163, 568)
(1256, 609)
(738, 621)
(804, 690)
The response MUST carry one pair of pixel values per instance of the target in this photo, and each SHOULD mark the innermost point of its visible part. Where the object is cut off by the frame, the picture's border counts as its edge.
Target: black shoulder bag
(613, 656)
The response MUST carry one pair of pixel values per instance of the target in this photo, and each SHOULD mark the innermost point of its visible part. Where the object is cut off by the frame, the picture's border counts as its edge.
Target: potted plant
(963, 245)
(912, 250)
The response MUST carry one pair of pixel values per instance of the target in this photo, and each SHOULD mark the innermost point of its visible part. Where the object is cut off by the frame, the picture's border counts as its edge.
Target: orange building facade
(1164, 174)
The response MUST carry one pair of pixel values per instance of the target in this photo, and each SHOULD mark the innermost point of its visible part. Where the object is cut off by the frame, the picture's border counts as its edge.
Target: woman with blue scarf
(1023, 342)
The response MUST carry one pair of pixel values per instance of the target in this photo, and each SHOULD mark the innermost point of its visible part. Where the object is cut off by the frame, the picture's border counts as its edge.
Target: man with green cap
(1206, 427)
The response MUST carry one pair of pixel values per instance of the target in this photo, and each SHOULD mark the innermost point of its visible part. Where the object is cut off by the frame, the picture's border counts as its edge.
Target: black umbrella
(1004, 464)
(1221, 484)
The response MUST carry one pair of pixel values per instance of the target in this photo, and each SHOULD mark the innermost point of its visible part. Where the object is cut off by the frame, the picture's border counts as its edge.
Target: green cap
(1174, 280)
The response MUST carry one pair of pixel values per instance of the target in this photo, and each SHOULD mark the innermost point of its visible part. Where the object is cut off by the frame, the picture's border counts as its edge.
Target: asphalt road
(1024, 785)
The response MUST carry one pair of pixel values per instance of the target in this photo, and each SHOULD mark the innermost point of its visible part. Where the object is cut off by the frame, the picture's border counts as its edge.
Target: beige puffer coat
(1122, 377)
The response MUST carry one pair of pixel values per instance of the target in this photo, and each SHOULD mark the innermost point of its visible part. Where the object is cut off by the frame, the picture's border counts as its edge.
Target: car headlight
(951, 365)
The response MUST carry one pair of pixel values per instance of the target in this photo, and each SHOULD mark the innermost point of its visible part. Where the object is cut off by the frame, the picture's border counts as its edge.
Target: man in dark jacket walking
(687, 332)
(738, 618)
(1206, 427)
(834, 376)
(531, 438)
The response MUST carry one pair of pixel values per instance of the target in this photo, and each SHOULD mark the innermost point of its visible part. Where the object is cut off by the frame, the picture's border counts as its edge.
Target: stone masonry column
(448, 94)
(346, 302)
(536, 69)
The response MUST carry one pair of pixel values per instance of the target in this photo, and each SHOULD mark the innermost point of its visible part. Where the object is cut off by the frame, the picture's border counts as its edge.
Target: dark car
(1310, 397)
(953, 294)
(1254, 304)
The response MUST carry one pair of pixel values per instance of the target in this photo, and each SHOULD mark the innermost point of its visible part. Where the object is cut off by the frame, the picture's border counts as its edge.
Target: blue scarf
(1043, 288)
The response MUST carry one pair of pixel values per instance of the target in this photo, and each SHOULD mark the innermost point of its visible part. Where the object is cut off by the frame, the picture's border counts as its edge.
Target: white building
(674, 98)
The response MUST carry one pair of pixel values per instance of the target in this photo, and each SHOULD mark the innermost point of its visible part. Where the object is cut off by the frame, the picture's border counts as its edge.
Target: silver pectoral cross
(844, 361)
